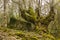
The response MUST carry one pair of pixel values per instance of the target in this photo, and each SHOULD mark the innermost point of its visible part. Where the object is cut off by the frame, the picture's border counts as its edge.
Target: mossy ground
(12, 34)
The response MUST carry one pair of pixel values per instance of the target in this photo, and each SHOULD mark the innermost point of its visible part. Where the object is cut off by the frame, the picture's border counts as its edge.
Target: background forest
(29, 19)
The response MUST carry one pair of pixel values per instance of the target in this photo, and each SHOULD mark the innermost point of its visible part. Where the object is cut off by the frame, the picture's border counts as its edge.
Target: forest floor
(12, 34)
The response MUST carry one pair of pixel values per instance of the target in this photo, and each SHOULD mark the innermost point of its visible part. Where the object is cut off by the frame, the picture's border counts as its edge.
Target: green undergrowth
(25, 35)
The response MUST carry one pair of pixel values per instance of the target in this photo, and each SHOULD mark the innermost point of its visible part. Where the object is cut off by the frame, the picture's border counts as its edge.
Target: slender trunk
(5, 16)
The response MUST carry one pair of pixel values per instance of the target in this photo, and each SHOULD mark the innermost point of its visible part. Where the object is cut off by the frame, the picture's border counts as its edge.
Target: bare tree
(5, 15)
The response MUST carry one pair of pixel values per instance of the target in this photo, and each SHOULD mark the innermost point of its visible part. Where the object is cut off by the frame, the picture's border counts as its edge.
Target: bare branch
(16, 2)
